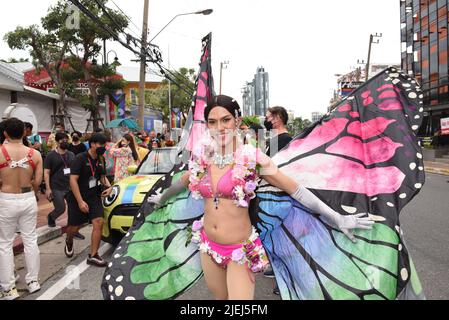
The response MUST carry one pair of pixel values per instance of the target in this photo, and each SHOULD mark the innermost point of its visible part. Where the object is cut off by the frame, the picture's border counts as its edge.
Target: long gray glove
(344, 223)
(160, 198)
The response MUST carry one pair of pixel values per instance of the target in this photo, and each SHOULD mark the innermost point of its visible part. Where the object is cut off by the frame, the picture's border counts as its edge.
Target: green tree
(48, 49)
(85, 45)
(65, 52)
(299, 125)
(181, 94)
(250, 120)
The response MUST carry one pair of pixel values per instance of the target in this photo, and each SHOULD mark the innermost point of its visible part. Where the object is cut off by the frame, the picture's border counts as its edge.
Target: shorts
(76, 217)
(250, 253)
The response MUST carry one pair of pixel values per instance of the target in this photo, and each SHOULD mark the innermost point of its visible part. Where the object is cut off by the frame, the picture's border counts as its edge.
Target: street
(425, 223)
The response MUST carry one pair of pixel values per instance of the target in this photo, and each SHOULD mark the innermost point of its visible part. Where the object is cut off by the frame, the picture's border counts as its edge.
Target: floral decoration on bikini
(244, 173)
(251, 252)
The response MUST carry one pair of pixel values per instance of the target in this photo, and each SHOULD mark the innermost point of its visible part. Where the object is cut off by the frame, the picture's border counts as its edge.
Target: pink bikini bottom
(250, 253)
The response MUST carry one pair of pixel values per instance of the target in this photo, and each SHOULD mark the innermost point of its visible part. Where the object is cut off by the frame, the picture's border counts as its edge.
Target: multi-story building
(424, 27)
(132, 77)
(261, 81)
(316, 116)
(291, 116)
(249, 99)
(256, 94)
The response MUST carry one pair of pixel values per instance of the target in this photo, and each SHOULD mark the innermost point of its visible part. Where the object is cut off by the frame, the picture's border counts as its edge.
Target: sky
(301, 44)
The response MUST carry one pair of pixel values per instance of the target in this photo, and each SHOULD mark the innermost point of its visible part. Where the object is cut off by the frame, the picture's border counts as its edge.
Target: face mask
(101, 151)
(268, 125)
(75, 138)
(64, 145)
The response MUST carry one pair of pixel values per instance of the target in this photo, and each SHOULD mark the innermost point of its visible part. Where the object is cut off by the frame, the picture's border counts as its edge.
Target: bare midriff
(227, 225)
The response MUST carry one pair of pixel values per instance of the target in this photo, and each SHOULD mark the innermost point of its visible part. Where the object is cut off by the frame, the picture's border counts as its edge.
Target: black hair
(132, 145)
(97, 138)
(225, 102)
(15, 128)
(28, 126)
(280, 112)
(256, 127)
(79, 134)
(61, 136)
(2, 132)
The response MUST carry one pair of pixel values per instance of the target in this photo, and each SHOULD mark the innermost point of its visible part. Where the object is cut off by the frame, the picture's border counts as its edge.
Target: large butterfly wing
(363, 157)
(153, 262)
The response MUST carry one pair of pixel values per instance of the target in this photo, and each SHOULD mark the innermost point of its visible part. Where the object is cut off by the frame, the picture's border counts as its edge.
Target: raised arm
(271, 173)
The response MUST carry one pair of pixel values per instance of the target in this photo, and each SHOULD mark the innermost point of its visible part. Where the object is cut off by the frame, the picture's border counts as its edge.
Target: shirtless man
(20, 177)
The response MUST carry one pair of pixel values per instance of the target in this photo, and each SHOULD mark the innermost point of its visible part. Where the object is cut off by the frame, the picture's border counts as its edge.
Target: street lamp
(223, 65)
(115, 64)
(105, 59)
(371, 41)
(203, 12)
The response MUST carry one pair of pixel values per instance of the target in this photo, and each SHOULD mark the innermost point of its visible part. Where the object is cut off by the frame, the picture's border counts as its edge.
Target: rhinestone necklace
(223, 161)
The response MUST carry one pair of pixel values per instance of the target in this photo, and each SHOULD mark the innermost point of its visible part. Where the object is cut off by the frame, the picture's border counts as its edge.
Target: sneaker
(68, 250)
(51, 222)
(9, 295)
(33, 287)
(79, 236)
(96, 260)
(276, 291)
(269, 273)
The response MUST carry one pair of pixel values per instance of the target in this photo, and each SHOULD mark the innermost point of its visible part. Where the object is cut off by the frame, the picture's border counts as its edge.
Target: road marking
(70, 277)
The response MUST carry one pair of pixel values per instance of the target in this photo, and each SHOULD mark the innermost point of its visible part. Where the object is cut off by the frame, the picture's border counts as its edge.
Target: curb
(444, 172)
(44, 234)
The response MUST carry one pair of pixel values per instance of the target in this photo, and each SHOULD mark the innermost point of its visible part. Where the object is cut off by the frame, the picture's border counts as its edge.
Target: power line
(169, 75)
(178, 77)
(189, 90)
(94, 18)
(115, 36)
(105, 11)
(129, 19)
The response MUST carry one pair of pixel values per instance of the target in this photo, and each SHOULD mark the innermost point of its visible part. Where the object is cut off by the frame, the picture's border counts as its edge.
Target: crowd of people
(74, 171)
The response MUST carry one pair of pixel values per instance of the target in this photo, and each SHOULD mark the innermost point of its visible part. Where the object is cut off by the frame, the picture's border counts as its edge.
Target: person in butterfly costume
(231, 248)
(362, 158)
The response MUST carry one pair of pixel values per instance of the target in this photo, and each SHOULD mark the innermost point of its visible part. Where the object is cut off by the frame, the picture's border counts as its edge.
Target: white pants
(18, 212)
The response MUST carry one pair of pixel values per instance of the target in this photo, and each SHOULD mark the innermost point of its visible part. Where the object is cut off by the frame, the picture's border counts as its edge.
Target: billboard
(445, 126)
(346, 88)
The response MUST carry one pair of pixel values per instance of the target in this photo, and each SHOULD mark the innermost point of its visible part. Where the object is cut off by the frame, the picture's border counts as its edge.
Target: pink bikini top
(224, 188)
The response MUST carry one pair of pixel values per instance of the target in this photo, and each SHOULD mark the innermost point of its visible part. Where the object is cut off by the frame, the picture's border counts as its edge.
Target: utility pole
(371, 41)
(223, 65)
(106, 97)
(143, 65)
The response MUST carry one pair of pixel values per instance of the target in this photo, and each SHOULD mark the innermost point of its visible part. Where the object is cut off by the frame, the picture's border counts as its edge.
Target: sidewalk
(44, 232)
(53, 261)
(436, 167)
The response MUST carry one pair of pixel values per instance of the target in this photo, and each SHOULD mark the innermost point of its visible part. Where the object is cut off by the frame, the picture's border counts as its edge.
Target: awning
(46, 93)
